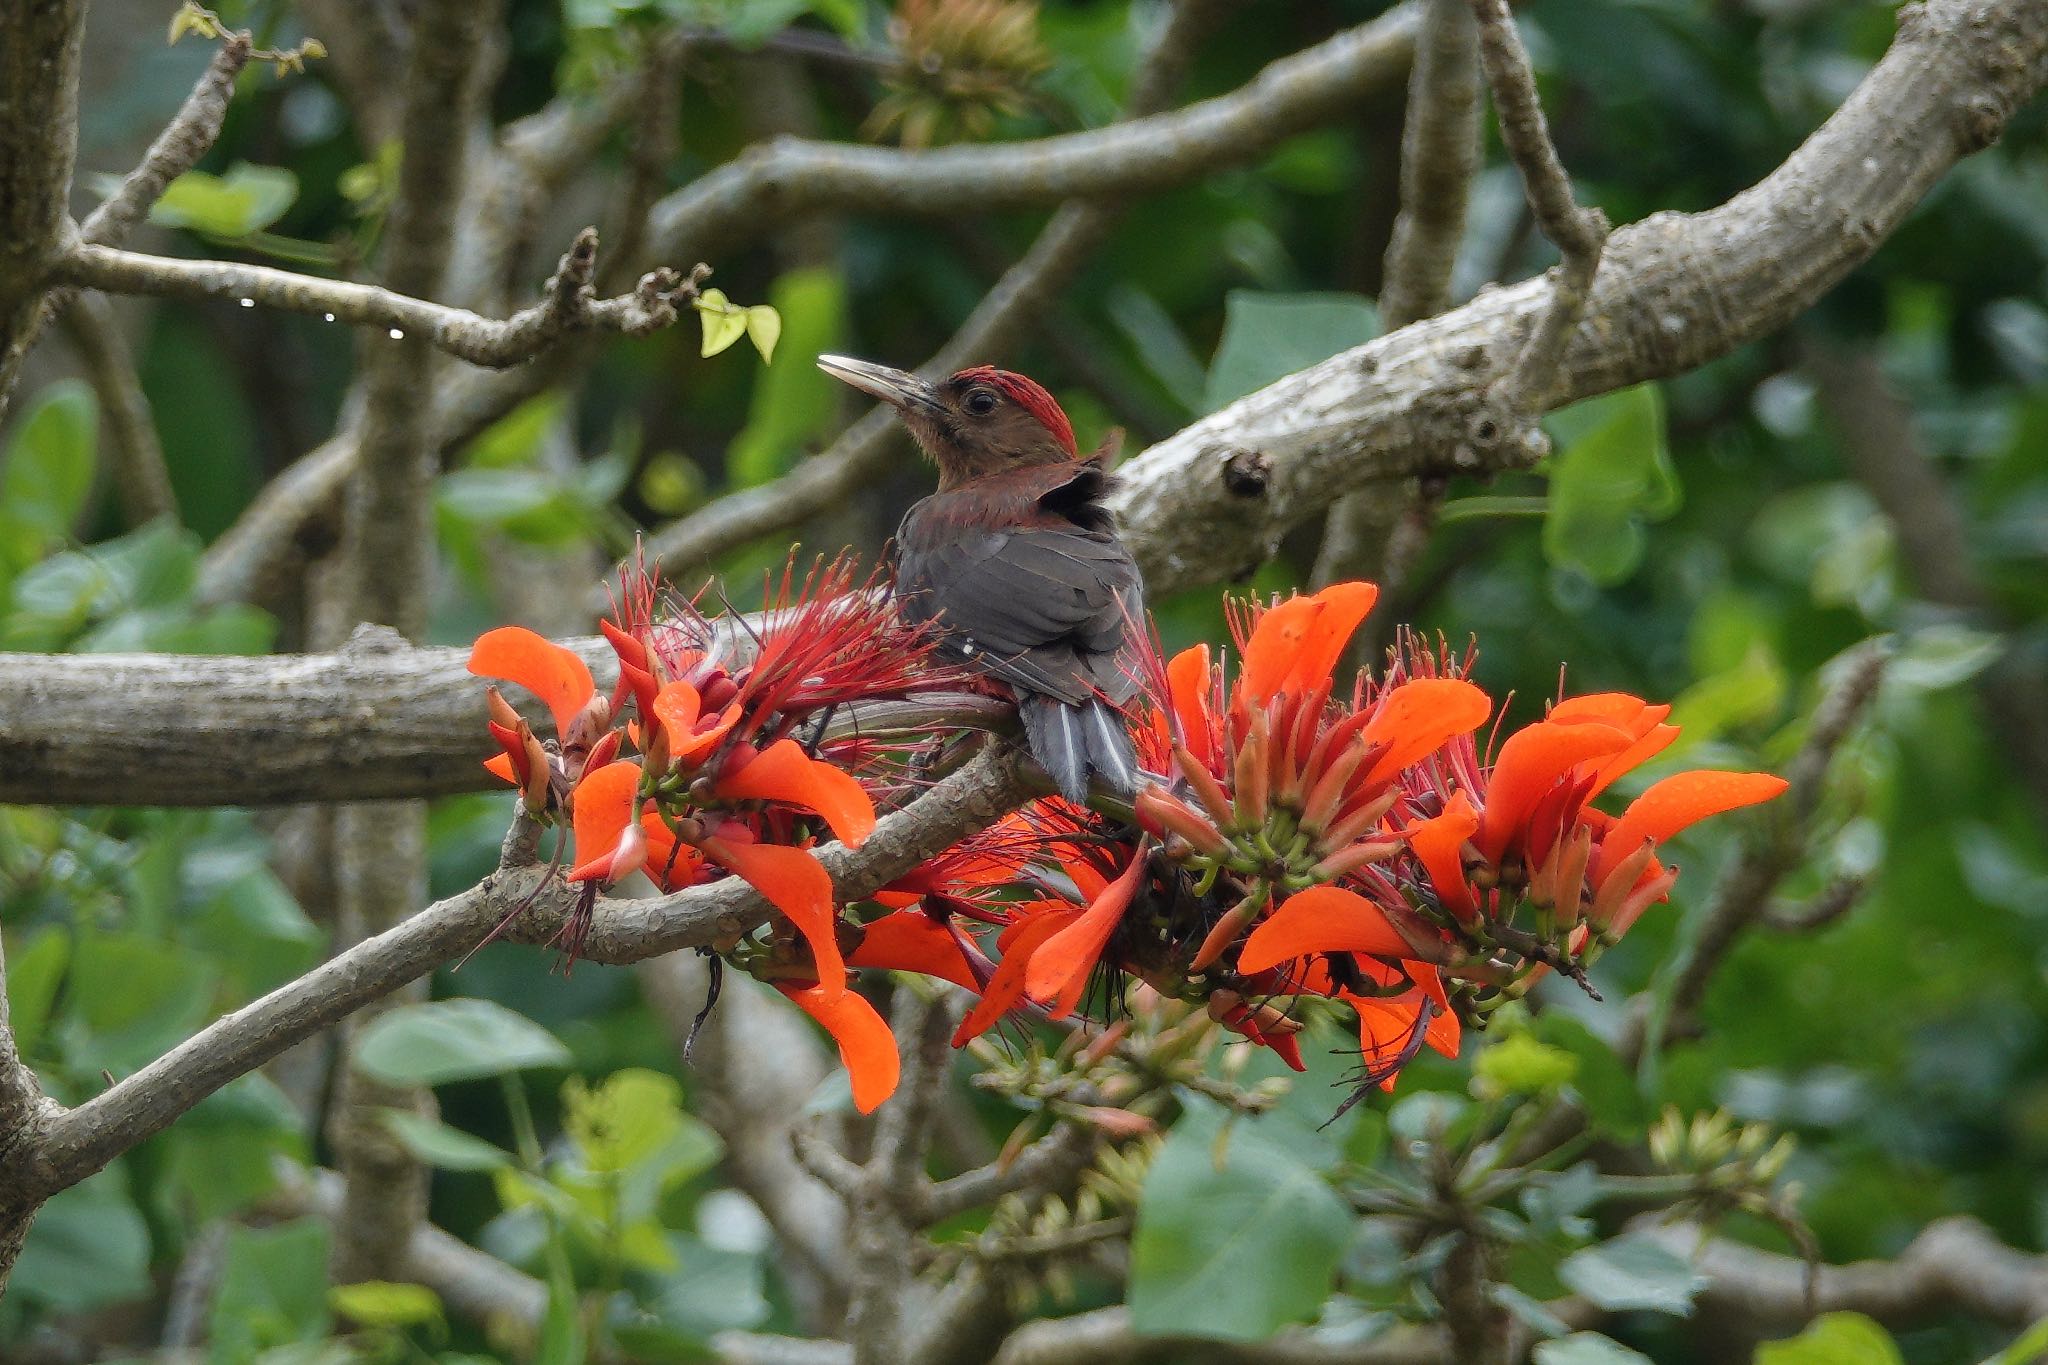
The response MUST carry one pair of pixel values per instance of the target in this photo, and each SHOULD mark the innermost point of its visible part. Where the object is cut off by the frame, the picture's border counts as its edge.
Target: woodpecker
(1018, 562)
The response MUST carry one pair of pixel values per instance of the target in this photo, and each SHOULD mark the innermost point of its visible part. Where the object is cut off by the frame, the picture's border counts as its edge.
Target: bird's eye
(981, 402)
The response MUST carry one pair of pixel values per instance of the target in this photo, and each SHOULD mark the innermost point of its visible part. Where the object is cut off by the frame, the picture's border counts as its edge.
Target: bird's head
(978, 422)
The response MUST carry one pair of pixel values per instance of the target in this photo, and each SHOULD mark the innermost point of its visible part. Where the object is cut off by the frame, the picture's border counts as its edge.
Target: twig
(177, 148)
(140, 479)
(495, 343)
(1833, 901)
(1742, 895)
(825, 1163)
(1579, 234)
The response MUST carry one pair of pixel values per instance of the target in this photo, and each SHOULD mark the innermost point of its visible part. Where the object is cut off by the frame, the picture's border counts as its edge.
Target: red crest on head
(1029, 395)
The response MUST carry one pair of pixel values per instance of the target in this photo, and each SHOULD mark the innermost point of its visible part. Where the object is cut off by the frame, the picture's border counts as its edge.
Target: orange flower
(1060, 968)
(866, 1047)
(556, 675)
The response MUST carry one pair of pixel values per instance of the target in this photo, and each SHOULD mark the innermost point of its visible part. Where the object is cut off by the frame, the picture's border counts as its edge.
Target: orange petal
(1296, 643)
(1648, 745)
(1345, 606)
(1444, 1033)
(866, 1047)
(1384, 1028)
(1674, 803)
(1060, 970)
(501, 764)
(1530, 761)
(784, 772)
(558, 676)
(1005, 990)
(798, 885)
(604, 804)
(1322, 919)
(1619, 709)
(1418, 717)
(1188, 678)
(912, 941)
(1436, 842)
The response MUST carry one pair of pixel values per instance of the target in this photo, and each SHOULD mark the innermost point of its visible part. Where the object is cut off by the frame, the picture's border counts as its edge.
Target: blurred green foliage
(1705, 541)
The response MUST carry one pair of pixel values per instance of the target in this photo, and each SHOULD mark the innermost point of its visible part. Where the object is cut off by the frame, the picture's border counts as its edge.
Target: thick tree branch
(39, 49)
(368, 721)
(496, 343)
(1439, 156)
(1673, 292)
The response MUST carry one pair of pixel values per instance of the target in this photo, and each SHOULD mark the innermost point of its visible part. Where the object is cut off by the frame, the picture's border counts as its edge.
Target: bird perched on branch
(1018, 561)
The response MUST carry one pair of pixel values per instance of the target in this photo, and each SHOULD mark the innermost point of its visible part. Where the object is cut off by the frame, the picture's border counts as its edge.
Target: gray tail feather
(1070, 742)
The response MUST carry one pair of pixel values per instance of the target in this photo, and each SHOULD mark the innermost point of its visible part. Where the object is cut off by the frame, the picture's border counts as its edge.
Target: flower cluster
(1296, 841)
(715, 755)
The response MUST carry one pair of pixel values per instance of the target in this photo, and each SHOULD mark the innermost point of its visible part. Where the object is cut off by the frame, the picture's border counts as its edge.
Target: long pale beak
(899, 388)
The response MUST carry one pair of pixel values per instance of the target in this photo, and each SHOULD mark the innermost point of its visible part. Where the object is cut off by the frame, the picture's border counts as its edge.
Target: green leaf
(89, 1248)
(1587, 1348)
(764, 329)
(453, 1040)
(437, 1144)
(48, 473)
(1835, 1339)
(515, 438)
(794, 402)
(724, 323)
(629, 1117)
(136, 998)
(1267, 337)
(273, 1290)
(1633, 1272)
(1236, 1236)
(1520, 1065)
(1531, 1312)
(381, 1303)
(224, 1156)
(33, 975)
(1748, 694)
(247, 199)
(1612, 472)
